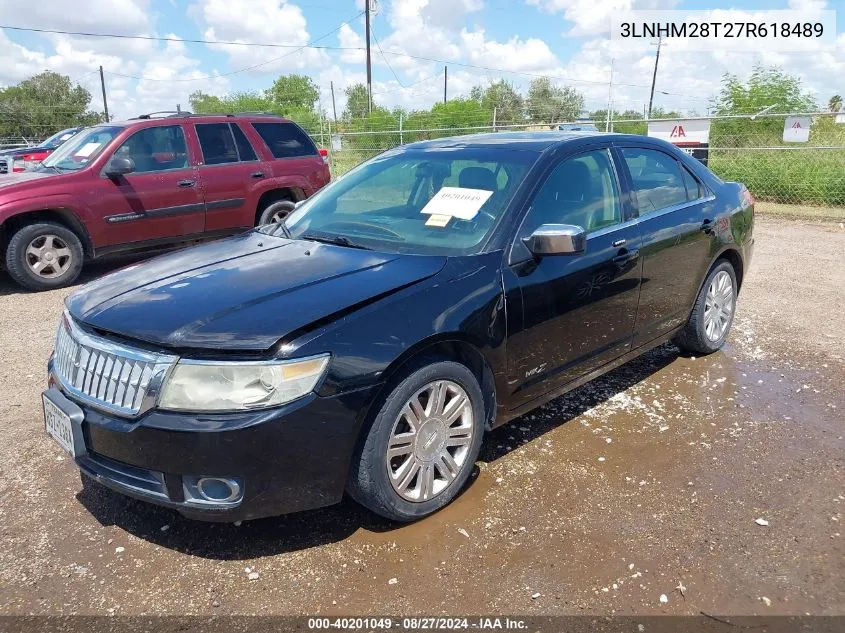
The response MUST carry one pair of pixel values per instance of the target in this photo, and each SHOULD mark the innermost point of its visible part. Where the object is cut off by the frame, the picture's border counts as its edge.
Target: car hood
(243, 293)
(23, 180)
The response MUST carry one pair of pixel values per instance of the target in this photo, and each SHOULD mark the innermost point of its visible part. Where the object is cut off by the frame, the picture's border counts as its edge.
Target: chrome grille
(106, 374)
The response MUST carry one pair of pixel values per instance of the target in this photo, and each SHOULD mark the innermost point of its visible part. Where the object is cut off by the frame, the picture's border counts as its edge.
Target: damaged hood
(243, 293)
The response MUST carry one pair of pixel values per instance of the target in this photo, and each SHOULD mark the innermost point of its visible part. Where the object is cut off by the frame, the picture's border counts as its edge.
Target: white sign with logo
(457, 202)
(682, 131)
(797, 129)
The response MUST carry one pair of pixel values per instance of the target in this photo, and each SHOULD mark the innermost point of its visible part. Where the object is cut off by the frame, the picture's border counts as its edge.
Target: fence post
(494, 119)
(401, 138)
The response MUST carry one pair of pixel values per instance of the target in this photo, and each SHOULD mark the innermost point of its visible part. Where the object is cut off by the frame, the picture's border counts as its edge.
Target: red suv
(152, 182)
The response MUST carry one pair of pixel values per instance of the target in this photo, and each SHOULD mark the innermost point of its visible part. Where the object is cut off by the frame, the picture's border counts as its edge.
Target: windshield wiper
(282, 228)
(338, 240)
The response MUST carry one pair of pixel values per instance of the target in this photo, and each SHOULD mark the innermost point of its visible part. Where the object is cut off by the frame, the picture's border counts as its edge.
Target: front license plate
(58, 425)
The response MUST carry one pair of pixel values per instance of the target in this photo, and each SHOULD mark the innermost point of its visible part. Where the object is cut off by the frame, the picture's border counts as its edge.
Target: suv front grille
(105, 374)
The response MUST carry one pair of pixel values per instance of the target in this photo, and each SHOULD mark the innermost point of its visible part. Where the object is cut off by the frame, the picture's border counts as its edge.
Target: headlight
(213, 386)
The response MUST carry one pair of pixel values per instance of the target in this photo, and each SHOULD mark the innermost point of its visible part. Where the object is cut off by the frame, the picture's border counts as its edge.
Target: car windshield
(58, 138)
(440, 201)
(82, 148)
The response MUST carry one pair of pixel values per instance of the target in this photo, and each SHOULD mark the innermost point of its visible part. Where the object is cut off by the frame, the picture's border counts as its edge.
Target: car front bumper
(286, 459)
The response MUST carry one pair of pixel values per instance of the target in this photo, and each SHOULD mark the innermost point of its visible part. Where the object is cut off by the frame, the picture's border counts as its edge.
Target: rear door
(231, 175)
(160, 200)
(676, 213)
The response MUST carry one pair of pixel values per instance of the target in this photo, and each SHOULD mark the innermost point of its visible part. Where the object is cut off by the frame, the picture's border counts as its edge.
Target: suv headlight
(204, 386)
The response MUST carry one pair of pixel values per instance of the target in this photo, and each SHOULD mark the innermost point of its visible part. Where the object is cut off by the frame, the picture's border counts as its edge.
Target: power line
(393, 72)
(183, 40)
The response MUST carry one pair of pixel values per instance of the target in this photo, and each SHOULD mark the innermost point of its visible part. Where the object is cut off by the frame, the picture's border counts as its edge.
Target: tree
(767, 86)
(294, 92)
(835, 103)
(357, 102)
(548, 103)
(42, 105)
(502, 97)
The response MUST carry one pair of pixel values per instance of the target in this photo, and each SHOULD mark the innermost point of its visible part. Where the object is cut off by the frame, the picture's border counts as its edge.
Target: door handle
(257, 174)
(619, 243)
(707, 226)
(186, 183)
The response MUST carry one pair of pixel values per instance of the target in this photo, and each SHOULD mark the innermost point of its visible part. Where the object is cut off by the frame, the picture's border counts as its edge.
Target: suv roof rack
(163, 114)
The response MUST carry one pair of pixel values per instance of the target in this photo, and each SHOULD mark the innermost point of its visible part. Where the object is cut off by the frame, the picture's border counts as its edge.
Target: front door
(578, 311)
(675, 214)
(160, 200)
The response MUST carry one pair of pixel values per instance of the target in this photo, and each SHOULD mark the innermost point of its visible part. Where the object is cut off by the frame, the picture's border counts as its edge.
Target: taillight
(747, 199)
(325, 154)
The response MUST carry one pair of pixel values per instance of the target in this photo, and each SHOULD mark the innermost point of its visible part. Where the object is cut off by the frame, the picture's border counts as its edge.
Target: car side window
(657, 178)
(694, 188)
(285, 140)
(156, 149)
(217, 143)
(245, 150)
(580, 191)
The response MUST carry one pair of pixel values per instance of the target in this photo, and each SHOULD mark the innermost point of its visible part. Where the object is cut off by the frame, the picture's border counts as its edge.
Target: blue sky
(565, 39)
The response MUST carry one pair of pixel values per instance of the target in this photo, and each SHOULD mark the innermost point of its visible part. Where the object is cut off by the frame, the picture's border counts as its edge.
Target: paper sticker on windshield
(438, 220)
(86, 150)
(457, 202)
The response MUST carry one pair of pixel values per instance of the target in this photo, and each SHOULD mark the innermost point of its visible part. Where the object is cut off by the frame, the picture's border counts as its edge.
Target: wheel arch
(61, 215)
(274, 195)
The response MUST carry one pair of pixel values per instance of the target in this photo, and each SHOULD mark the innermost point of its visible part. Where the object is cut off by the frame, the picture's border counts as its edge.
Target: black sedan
(367, 343)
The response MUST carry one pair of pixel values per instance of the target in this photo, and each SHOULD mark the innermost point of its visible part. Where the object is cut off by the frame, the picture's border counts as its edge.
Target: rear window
(285, 140)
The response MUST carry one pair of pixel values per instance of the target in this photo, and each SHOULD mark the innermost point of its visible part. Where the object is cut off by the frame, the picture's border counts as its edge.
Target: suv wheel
(713, 313)
(422, 446)
(275, 212)
(44, 256)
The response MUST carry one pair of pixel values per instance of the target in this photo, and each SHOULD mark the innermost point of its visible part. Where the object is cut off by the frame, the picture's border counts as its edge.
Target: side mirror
(119, 166)
(557, 239)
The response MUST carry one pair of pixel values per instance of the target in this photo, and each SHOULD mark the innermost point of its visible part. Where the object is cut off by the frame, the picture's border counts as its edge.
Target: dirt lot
(646, 482)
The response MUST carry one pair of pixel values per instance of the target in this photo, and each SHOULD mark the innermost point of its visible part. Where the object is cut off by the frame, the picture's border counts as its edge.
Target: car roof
(530, 141)
(145, 119)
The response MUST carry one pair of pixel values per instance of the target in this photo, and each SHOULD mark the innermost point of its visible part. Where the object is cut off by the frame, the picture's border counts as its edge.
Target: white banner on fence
(840, 118)
(796, 129)
(337, 143)
(682, 132)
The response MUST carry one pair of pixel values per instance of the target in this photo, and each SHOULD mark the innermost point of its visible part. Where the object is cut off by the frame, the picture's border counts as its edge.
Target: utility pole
(105, 102)
(445, 81)
(369, 64)
(609, 99)
(334, 107)
(654, 76)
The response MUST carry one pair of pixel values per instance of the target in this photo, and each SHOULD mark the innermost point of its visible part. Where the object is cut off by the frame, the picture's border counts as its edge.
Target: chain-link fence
(750, 149)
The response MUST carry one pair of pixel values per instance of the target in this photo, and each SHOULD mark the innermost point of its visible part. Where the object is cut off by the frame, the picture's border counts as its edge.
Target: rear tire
(275, 212)
(710, 321)
(44, 256)
(422, 446)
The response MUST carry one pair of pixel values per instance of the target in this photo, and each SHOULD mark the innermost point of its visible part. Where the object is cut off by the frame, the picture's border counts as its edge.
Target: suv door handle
(257, 174)
(619, 243)
(707, 226)
(186, 183)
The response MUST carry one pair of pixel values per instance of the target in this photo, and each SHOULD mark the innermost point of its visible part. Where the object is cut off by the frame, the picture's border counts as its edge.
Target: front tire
(422, 445)
(711, 318)
(44, 256)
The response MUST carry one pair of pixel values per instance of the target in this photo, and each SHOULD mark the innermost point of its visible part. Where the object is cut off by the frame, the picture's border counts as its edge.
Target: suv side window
(217, 143)
(657, 178)
(156, 149)
(582, 191)
(285, 140)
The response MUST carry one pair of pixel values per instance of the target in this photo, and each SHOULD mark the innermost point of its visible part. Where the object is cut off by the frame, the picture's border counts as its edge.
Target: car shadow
(304, 530)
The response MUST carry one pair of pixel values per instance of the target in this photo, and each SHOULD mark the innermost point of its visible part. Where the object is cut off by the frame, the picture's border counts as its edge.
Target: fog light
(212, 490)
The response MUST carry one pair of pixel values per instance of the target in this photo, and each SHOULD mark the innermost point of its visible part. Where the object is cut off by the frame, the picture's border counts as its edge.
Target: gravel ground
(716, 482)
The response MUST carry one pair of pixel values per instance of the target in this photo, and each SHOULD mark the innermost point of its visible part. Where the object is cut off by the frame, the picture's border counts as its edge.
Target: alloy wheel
(430, 441)
(48, 256)
(718, 306)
